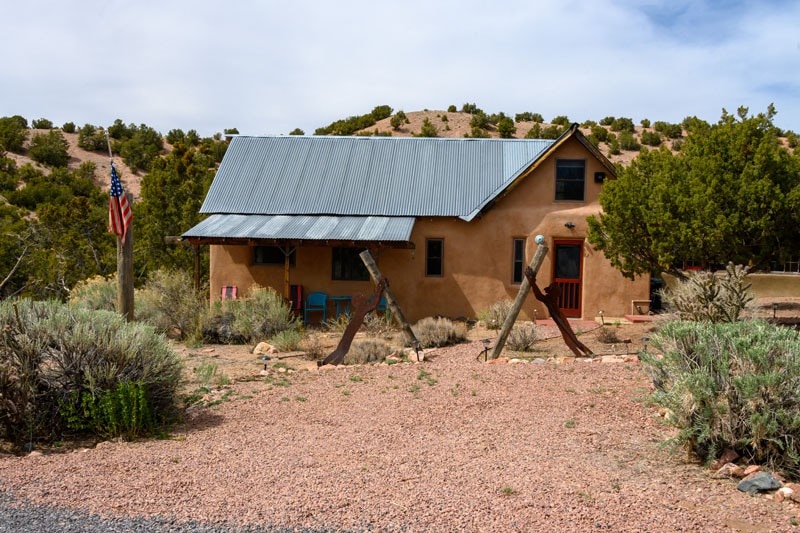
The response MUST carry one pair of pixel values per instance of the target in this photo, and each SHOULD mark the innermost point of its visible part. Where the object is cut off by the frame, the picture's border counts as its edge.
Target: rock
(794, 487)
(730, 470)
(498, 361)
(611, 359)
(752, 469)
(35, 453)
(515, 361)
(728, 456)
(783, 493)
(539, 361)
(282, 370)
(760, 482)
(631, 359)
(264, 348)
(264, 373)
(208, 350)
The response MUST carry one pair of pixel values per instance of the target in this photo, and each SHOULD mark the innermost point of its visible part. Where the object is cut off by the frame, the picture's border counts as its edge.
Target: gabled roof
(371, 178)
(363, 176)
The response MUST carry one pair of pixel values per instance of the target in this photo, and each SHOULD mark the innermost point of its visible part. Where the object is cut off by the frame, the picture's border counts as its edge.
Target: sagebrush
(54, 356)
(731, 385)
(494, 316)
(257, 317)
(708, 297)
(437, 332)
(370, 350)
(170, 304)
(522, 337)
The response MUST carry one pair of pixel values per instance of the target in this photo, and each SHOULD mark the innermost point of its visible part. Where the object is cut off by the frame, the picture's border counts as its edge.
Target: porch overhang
(303, 230)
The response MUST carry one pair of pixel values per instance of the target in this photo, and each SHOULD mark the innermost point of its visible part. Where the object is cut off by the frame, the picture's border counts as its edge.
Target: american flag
(119, 211)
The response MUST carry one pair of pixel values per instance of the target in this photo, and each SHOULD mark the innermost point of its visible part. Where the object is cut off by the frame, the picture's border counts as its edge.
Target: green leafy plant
(287, 340)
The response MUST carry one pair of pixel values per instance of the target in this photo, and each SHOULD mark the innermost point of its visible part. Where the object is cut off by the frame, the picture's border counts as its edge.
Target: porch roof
(318, 229)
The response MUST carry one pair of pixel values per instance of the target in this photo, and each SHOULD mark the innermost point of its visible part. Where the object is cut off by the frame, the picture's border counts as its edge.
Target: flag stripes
(119, 210)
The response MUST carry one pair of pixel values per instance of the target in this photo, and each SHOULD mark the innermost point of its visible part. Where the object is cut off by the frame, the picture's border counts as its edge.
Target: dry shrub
(312, 345)
(96, 293)
(496, 314)
(437, 332)
(522, 337)
(607, 335)
(708, 297)
(369, 350)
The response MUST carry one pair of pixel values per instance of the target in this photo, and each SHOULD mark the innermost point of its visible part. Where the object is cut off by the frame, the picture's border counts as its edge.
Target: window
(570, 178)
(347, 265)
(272, 255)
(518, 261)
(434, 257)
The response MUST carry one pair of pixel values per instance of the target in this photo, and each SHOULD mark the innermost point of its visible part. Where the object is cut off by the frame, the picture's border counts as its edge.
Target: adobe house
(450, 222)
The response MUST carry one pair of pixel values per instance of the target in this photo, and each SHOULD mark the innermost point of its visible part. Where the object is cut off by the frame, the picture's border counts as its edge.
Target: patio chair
(316, 301)
(229, 292)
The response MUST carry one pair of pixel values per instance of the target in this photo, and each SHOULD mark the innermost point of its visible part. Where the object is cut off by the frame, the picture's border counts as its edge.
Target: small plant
(607, 335)
(337, 324)
(707, 297)
(312, 345)
(97, 293)
(287, 340)
(376, 324)
(508, 491)
(205, 373)
(367, 351)
(522, 337)
(569, 424)
(437, 332)
(426, 378)
(496, 314)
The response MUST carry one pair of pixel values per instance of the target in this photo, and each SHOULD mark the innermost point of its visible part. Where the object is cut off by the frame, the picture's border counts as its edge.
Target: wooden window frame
(560, 196)
(428, 257)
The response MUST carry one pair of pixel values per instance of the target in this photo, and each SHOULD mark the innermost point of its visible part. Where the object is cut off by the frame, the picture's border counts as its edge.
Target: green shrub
(613, 146)
(53, 355)
(561, 120)
(437, 332)
(479, 120)
(645, 123)
(791, 139)
(506, 128)
(494, 316)
(169, 303)
(552, 132)
(607, 335)
(527, 116)
(452, 108)
(255, 318)
(13, 133)
(522, 337)
(49, 149)
(68, 127)
(92, 138)
(673, 131)
(398, 120)
(367, 351)
(628, 142)
(600, 133)
(287, 340)
(731, 385)
(97, 294)
(470, 108)
(313, 346)
(607, 121)
(651, 138)
(623, 124)
(427, 129)
(707, 297)
(42, 124)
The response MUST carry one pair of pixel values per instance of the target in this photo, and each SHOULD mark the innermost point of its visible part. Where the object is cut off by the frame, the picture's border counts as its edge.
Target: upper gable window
(570, 179)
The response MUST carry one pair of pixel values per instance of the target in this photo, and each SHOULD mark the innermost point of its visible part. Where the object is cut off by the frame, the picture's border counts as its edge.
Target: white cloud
(268, 67)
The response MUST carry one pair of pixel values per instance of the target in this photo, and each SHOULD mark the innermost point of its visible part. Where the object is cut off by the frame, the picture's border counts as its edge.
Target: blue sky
(270, 66)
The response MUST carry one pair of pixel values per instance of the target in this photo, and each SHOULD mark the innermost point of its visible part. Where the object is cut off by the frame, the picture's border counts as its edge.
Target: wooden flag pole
(125, 305)
(524, 289)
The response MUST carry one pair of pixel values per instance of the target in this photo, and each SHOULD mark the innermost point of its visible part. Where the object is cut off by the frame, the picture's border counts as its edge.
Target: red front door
(567, 270)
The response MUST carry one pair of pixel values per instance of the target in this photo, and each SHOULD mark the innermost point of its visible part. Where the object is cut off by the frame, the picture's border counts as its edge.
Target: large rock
(264, 348)
(760, 482)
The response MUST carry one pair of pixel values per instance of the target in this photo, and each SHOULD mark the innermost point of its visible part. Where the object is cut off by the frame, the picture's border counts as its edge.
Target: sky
(270, 66)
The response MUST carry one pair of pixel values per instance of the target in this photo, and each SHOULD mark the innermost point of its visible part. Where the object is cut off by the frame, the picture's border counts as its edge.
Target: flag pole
(125, 305)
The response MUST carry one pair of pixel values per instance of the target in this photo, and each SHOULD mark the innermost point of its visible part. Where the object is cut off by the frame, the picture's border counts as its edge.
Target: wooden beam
(397, 313)
(524, 288)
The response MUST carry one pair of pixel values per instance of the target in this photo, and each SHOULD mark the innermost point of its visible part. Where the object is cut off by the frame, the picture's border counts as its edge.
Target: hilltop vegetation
(52, 181)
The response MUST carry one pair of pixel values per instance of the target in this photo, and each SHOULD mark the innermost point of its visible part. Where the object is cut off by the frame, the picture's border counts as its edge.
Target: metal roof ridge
(386, 138)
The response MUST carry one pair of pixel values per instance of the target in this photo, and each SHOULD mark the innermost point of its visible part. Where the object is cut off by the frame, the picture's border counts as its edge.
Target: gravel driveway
(451, 444)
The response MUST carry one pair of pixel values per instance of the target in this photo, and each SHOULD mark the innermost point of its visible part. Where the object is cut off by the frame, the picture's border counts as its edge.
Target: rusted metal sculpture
(550, 299)
(361, 306)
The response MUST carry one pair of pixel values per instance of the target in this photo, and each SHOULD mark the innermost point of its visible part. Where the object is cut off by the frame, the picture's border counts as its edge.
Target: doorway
(567, 272)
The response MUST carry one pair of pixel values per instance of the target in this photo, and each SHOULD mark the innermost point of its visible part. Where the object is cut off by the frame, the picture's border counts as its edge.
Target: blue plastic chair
(316, 301)
(381, 305)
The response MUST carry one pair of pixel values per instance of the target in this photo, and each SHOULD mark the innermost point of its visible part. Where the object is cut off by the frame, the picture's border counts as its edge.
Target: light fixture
(602, 320)
(569, 225)
(774, 310)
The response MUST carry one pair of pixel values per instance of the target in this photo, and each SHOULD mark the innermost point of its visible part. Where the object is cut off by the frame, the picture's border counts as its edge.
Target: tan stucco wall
(763, 284)
(477, 255)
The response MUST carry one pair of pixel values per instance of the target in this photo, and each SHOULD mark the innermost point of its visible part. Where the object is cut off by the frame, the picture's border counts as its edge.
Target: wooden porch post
(376, 275)
(524, 288)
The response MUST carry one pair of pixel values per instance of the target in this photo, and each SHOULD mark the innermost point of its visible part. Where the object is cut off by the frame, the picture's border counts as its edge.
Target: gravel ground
(451, 444)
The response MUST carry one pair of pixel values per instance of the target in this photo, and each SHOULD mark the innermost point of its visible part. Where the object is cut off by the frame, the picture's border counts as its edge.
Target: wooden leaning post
(524, 288)
(397, 313)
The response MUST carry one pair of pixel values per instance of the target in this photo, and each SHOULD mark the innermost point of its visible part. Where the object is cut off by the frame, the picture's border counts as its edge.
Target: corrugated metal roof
(366, 176)
(303, 227)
